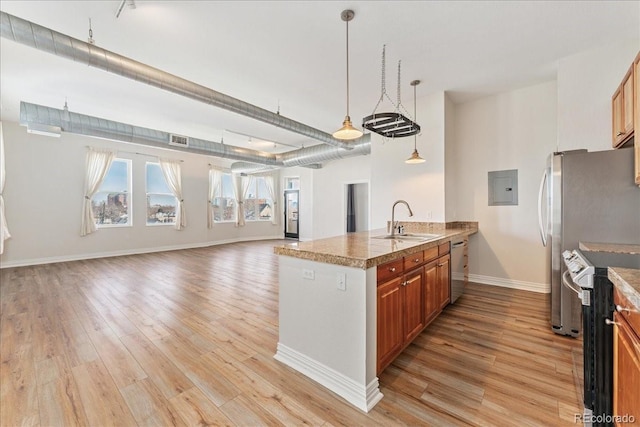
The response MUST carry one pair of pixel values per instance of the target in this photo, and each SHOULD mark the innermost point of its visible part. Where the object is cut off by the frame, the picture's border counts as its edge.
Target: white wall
(450, 161)
(329, 193)
(586, 82)
(361, 202)
(513, 130)
(43, 197)
(421, 185)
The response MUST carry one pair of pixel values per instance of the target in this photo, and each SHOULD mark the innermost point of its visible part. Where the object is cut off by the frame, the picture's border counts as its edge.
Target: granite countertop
(627, 280)
(610, 247)
(362, 250)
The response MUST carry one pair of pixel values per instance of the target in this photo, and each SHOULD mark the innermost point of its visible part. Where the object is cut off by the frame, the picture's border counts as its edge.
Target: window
(161, 203)
(111, 202)
(292, 183)
(258, 204)
(224, 203)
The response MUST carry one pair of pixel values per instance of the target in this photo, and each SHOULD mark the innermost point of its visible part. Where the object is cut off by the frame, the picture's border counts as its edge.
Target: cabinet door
(626, 370)
(627, 100)
(412, 296)
(444, 281)
(431, 295)
(390, 336)
(617, 126)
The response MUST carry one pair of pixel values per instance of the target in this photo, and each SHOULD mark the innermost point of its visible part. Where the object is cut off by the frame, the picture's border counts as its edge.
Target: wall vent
(179, 140)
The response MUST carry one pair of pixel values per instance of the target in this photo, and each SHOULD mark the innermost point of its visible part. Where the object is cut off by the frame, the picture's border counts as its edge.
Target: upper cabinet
(622, 108)
(625, 109)
(636, 113)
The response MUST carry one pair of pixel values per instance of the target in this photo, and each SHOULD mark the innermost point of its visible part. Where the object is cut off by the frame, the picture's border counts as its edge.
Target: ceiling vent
(179, 140)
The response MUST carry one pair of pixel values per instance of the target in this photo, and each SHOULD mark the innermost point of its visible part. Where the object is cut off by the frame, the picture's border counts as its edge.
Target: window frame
(234, 198)
(147, 193)
(128, 192)
(254, 181)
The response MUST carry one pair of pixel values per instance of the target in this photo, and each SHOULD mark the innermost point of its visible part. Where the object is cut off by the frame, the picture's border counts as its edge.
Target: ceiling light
(415, 157)
(347, 131)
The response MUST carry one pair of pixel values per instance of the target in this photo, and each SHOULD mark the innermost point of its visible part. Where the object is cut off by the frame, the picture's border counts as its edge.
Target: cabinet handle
(392, 269)
(416, 260)
(405, 283)
(620, 309)
(610, 322)
(620, 134)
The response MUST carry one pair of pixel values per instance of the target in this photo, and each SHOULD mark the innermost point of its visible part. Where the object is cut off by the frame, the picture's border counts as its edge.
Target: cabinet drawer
(444, 248)
(430, 254)
(632, 316)
(390, 269)
(413, 260)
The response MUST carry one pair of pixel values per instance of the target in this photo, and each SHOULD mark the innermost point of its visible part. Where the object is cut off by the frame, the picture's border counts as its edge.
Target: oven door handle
(568, 285)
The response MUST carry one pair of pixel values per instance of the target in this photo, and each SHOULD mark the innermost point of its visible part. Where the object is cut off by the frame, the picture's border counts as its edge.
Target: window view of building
(161, 203)
(111, 202)
(224, 204)
(258, 204)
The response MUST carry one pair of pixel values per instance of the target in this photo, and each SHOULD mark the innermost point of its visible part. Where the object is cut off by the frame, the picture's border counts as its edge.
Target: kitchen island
(327, 305)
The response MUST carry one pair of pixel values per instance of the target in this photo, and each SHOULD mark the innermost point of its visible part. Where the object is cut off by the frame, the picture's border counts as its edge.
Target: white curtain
(173, 176)
(4, 229)
(241, 195)
(270, 183)
(215, 190)
(98, 164)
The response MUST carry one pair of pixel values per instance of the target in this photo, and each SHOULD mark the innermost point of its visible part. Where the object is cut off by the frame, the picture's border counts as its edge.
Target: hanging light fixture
(347, 131)
(415, 157)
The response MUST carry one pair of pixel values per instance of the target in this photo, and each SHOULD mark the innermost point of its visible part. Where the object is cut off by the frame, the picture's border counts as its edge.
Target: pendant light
(415, 157)
(347, 131)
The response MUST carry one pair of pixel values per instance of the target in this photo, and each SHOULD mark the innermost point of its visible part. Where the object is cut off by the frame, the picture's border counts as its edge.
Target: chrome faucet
(393, 215)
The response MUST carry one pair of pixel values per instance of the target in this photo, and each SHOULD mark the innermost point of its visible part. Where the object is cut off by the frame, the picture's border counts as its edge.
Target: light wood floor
(188, 338)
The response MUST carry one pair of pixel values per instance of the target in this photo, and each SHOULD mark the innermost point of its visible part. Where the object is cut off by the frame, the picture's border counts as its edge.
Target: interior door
(291, 219)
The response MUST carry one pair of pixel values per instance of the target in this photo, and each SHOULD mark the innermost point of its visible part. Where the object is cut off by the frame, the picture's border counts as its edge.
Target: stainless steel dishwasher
(458, 264)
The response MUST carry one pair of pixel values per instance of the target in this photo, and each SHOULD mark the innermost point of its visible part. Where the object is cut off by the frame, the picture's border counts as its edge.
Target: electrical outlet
(341, 281)
(429, 214)
(308, 274)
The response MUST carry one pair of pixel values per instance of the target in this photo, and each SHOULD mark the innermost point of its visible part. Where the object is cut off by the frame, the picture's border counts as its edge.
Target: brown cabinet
(626, 360)
(444, 281)
(431, 294)
(622, 105)
(412, 291)
(390, 335)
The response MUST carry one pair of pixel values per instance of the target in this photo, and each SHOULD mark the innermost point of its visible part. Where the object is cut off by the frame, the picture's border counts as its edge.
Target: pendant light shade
(415, 156)
(347, 131)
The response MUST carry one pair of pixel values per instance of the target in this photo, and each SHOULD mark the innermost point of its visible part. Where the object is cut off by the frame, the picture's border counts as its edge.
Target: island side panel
(327, 333)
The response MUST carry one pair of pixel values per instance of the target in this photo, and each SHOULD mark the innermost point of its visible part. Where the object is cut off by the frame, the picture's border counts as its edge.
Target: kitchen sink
(410, 236)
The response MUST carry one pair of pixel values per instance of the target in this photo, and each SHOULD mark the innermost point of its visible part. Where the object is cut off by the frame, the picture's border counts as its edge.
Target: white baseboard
(363, 397)
(78, 257)
(544, 288)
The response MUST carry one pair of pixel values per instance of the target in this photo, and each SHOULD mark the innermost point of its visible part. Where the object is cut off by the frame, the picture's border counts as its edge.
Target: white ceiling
(292, 54)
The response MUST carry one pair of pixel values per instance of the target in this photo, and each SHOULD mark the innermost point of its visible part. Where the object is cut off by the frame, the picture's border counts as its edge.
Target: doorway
(357, 207)
(291, 210)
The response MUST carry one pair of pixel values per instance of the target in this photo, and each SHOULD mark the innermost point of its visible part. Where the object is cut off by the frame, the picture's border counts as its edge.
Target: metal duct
(47, 40)
(252, 168)
(321, 153)
(81, 124)
(102, 128)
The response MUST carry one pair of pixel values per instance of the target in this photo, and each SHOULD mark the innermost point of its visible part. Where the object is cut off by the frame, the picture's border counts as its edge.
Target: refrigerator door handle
(543, 232)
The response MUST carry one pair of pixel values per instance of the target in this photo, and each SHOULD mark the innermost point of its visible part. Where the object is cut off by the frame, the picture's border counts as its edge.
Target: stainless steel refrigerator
(589, 197)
